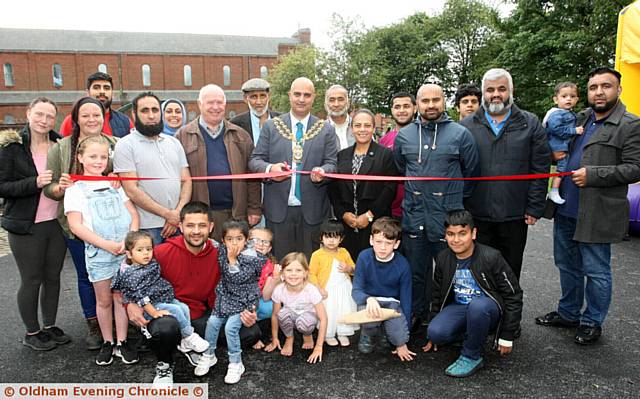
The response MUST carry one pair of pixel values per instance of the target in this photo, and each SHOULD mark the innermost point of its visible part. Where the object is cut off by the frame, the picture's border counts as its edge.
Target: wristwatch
(369, 216)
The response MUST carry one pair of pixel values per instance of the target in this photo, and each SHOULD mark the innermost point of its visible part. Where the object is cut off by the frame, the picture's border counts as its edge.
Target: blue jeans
(576, 262)
(470, 323)
(396, 330)
(85, 288)
(420, 253)
(178, 310)
(232, 326)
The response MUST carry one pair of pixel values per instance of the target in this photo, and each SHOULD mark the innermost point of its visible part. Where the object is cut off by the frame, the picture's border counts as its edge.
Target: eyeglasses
(257, 241)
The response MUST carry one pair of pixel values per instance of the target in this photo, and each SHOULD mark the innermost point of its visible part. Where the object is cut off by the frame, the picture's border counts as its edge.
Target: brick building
(55, 63)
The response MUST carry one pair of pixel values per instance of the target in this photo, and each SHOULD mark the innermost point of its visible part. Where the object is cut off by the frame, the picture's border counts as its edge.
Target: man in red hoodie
(190, 263)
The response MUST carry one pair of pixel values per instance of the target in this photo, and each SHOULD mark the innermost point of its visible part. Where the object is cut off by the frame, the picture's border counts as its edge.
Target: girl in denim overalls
(101, 216)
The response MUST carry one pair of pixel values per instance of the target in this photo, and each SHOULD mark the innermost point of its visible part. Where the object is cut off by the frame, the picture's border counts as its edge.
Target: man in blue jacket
(436, 146)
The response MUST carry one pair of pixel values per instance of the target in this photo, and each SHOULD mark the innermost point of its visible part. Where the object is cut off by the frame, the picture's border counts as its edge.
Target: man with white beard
(510, 141)
(256, 96)
(336, 103)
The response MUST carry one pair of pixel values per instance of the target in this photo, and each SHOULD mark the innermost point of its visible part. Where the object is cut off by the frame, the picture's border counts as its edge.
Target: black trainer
(41, 341)
(588, 335)
(57, 335)
(105, 356)
(127, 352)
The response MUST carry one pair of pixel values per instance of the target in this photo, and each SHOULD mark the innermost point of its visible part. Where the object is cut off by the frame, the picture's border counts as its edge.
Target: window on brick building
(146, 75)
(264, 72)
(8, 119)
(57, 75)
(187, 75)
(102, 68)
(8, 74)
(226, 75)
(192, 115)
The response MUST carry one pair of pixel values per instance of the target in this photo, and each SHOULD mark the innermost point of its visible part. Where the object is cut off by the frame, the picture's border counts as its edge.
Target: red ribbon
(339, 176)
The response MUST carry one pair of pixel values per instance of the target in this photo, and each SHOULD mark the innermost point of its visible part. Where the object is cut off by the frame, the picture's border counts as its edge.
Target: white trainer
(164, 375)
(234, 372)
(555, 197)
(204, 364)
(193, 343)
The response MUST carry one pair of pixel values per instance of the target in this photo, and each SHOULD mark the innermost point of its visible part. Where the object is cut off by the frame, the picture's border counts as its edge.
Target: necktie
(299, 134)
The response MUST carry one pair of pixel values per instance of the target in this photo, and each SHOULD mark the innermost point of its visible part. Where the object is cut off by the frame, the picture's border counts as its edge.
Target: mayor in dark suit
(294, 207)
(359, 202)
(256, 96)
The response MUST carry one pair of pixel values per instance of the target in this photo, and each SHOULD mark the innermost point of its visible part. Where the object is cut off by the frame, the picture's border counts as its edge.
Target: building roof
(49, 40)
(70, 96)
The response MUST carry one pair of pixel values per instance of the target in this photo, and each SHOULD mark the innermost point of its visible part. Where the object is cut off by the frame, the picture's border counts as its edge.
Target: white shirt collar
(294, 122)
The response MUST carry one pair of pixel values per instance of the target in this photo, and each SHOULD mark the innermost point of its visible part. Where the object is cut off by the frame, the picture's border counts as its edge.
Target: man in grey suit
(256, 96)
(294, 207)
(336, 103)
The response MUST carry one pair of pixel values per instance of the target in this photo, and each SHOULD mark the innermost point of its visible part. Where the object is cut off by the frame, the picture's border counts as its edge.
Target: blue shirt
(465, 287)
(255, 126)
(497, 128)
(569, 191)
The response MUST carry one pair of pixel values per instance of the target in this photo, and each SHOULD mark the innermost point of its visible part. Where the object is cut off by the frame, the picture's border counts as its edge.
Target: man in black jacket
(510, 141)
(474, 293)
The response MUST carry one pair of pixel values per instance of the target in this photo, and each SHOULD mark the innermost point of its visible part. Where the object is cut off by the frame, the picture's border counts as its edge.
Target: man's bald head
(301, 97)
(431, 101)
(430, 88)
(302, 81)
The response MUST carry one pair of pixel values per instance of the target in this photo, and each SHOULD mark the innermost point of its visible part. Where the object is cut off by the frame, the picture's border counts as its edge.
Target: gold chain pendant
(298, 150)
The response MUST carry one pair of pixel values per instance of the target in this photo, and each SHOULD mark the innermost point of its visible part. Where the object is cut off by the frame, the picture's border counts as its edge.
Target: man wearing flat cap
(256, 95)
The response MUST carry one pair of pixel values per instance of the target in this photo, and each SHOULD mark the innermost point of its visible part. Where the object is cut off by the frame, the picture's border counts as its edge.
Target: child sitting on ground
(560, 125)
(329, 269)
(237, 291)
(297, 305)
(383, 280)
(140, 282)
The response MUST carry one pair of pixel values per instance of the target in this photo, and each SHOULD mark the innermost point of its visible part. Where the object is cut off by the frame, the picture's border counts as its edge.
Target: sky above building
(246, 18)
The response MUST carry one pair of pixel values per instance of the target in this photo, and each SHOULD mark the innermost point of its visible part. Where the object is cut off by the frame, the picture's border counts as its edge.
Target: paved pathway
(545, 362)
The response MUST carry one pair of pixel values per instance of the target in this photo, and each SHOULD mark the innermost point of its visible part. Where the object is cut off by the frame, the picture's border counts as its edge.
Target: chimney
(303, 35)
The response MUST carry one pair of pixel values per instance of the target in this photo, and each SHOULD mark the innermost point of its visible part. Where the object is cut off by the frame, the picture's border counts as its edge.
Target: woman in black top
(358, 202)
(35, 237)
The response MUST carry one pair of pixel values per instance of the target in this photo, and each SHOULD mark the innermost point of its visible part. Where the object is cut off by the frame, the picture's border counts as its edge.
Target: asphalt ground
(545, 363)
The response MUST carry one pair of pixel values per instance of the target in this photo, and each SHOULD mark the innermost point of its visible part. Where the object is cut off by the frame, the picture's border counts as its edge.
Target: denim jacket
(560, 126)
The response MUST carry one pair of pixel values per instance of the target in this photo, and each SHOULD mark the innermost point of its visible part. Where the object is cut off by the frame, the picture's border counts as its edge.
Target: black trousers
(39, 257)
(165, 335)
(509, 238)
(293, 234)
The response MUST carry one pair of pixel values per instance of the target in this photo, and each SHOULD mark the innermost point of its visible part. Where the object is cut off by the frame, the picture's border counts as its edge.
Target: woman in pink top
(35, 236)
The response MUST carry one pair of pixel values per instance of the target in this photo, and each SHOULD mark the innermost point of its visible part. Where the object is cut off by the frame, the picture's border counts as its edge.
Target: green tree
(306, 61)
(466, 30)
(545, 42)
(339, 66)
(400, 57)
